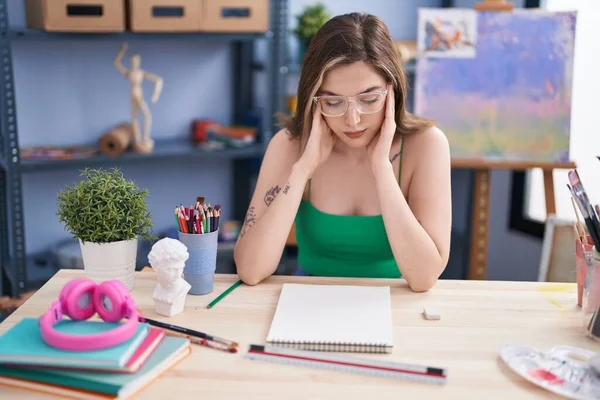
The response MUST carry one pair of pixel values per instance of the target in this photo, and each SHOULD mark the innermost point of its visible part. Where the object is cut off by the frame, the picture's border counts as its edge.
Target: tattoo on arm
(271, 194)
(286, 188)
(394, 157)
(248, 221)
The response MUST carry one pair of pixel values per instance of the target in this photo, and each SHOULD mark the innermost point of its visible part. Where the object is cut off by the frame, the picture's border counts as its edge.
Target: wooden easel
(480, 214)
(493, 5)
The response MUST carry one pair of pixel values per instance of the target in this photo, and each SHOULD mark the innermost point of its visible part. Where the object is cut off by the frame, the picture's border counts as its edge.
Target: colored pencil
(218, 210)
(208, 218)
(225, 293)
(177, 220)
(182, 222)
(198, 218)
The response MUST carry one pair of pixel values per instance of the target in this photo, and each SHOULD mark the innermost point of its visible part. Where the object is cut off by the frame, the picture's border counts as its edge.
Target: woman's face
(353, 128)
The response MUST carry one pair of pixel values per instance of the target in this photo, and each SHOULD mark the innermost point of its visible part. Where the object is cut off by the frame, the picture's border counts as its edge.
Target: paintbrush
(204, 342)
(588, 213)
(189, 332)
(579, 230)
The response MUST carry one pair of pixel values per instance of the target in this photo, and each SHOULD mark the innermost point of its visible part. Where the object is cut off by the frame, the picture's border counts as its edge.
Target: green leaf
(105, 207)
(312, 18)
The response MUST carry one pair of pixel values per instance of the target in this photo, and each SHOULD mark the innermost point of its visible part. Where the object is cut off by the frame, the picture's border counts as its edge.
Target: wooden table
(477, 318)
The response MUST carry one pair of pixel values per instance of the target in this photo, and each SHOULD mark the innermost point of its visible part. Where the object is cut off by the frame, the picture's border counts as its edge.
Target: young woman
(367, 183)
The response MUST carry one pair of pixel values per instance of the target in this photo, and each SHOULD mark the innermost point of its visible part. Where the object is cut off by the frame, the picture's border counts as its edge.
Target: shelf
(6, 273)
(44, 35)
(164, 149)
(288, 68)
(39, 271)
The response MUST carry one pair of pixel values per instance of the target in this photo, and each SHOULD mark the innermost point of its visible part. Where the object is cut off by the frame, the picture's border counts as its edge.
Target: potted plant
(309, 21)
(107, 214)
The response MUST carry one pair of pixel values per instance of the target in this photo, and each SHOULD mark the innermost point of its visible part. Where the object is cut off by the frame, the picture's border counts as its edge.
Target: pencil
(225, 293)
(177, 220)
(182, 222)
(208, 221)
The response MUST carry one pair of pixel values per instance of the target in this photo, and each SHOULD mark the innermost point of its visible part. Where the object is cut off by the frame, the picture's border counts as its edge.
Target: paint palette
(563, 370)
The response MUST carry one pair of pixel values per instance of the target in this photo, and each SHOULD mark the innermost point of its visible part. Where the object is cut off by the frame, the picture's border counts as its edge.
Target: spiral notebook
(340, 318)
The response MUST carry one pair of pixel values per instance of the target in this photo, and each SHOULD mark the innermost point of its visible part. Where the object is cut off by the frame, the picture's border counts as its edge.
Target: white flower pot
(106, 261)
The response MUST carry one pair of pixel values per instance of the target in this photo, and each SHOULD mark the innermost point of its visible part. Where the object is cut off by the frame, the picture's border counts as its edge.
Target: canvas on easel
(498, 83)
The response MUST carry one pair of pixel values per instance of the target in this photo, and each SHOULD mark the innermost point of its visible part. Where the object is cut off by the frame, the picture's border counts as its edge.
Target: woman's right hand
(319, 145)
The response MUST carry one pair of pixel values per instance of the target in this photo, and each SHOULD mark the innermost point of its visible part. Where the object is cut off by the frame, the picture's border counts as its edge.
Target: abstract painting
(511, 101)
(453, 34)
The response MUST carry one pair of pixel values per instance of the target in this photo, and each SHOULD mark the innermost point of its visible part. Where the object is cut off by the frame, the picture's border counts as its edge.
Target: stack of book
(118, 372)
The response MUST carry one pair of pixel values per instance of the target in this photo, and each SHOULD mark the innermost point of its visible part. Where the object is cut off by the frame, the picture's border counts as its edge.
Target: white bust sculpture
(167, 258)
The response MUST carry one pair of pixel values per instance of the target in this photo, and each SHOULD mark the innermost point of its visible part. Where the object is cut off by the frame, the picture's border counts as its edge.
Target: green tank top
(344, 246)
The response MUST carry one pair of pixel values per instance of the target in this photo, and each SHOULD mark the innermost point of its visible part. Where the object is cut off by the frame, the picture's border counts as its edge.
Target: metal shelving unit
(165, 149)
(15, 261)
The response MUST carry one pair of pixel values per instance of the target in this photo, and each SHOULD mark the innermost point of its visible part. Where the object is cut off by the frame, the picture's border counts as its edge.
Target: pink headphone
(80, 299)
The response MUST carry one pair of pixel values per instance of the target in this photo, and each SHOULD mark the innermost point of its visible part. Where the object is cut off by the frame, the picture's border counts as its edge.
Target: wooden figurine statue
(167, 257)
(136, 75)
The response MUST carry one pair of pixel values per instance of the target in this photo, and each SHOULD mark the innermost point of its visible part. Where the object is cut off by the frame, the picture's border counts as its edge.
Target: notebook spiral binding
(335, 347)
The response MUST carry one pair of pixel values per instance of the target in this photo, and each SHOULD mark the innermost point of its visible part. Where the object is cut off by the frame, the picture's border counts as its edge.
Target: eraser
(431, 313)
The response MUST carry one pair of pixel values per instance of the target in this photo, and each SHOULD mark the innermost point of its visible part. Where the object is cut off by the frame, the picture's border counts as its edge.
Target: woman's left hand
(379, 148)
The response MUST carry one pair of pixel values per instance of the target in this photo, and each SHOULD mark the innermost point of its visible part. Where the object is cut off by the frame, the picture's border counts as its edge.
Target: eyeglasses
(364, 103)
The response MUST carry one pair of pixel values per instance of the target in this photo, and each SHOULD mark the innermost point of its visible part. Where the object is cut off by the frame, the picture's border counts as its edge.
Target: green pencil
(225, 293)
(177, 220)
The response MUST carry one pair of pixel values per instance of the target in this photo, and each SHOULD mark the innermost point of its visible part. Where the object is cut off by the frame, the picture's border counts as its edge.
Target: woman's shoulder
(429, 136)
(427, 141)
(283, 143)
(426, 150)
(282, 146)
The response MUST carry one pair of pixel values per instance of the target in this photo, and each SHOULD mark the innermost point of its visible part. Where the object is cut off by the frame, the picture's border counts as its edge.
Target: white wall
(585, 122)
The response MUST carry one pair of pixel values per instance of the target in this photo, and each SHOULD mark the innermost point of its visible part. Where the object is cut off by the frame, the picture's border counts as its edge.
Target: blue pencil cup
(199, 270)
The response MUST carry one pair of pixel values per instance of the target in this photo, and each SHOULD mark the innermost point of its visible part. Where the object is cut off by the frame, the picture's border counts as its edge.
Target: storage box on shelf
(165, 15)
(199, 15)
(76, 15)
(236, 16)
